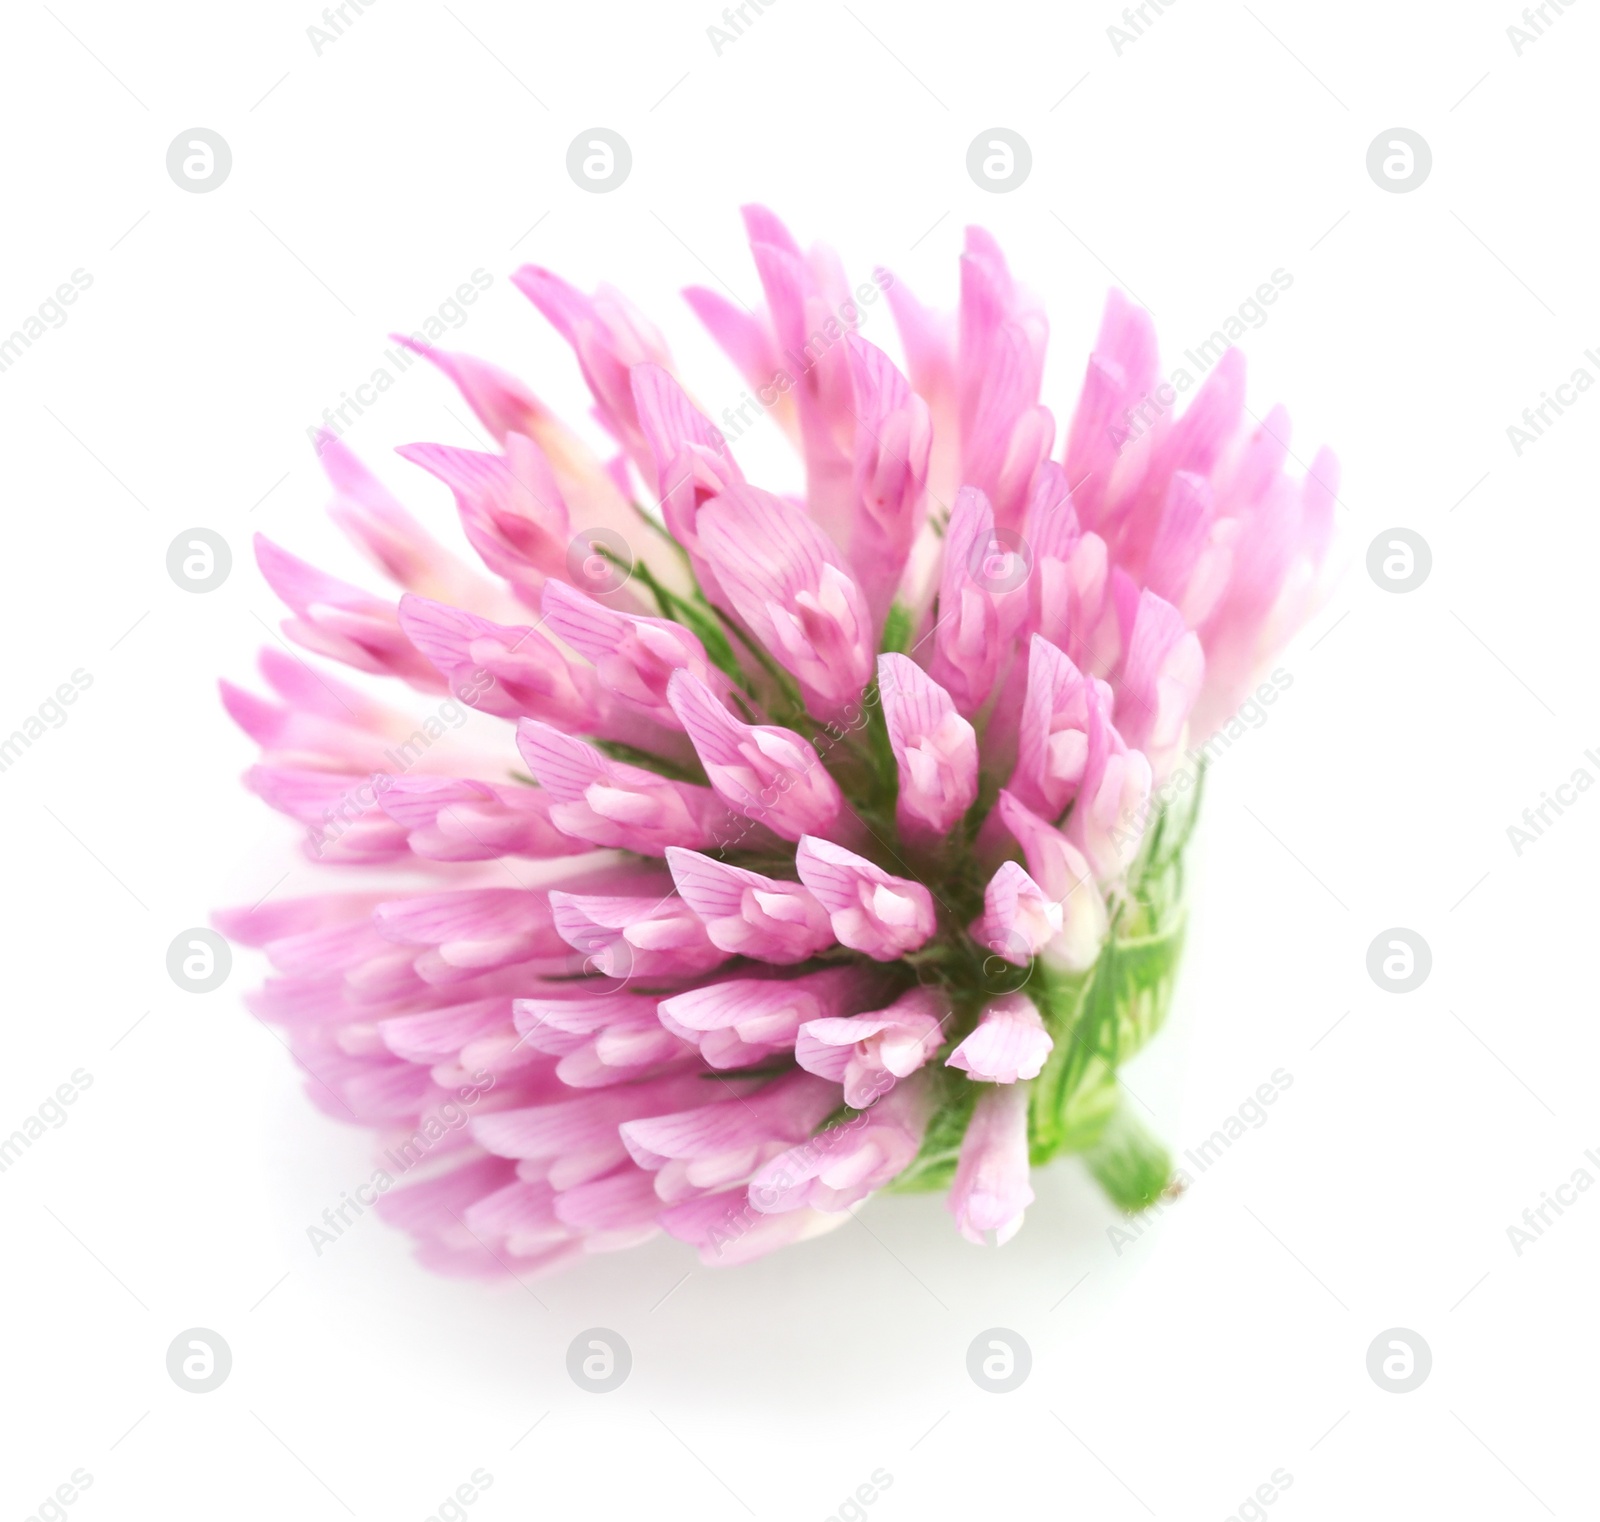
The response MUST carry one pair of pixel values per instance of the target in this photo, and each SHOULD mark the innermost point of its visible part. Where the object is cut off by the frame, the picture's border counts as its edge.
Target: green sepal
(1097, 1020)
(896, 629)
(1061, 999)
(1081, 1120)
(935, 1163)
(648, 761)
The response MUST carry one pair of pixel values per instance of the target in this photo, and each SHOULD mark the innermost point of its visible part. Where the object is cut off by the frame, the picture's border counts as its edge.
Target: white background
(1230, 1341)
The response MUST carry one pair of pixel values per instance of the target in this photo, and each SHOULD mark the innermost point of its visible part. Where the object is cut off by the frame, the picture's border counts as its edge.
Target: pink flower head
(868, 1053)
(872, 910)
(1010, 1042)
(700, 814)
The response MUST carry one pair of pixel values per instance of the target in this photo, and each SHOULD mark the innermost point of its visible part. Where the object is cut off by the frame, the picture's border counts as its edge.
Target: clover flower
(798, 846)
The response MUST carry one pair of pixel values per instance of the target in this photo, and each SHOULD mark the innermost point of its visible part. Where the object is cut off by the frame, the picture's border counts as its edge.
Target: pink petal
(740, 1021)
(935, 749)
(748, 914)
(628, 937)
(767, 773)
(1060, 869)
(1009, 1043)
(1019, 918)
(786, 580)
(871, 910)
(613, 804)
(991, 1189)
(634, 657)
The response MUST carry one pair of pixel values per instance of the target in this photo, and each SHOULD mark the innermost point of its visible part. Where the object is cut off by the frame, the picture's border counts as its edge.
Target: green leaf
(1131, 1166)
